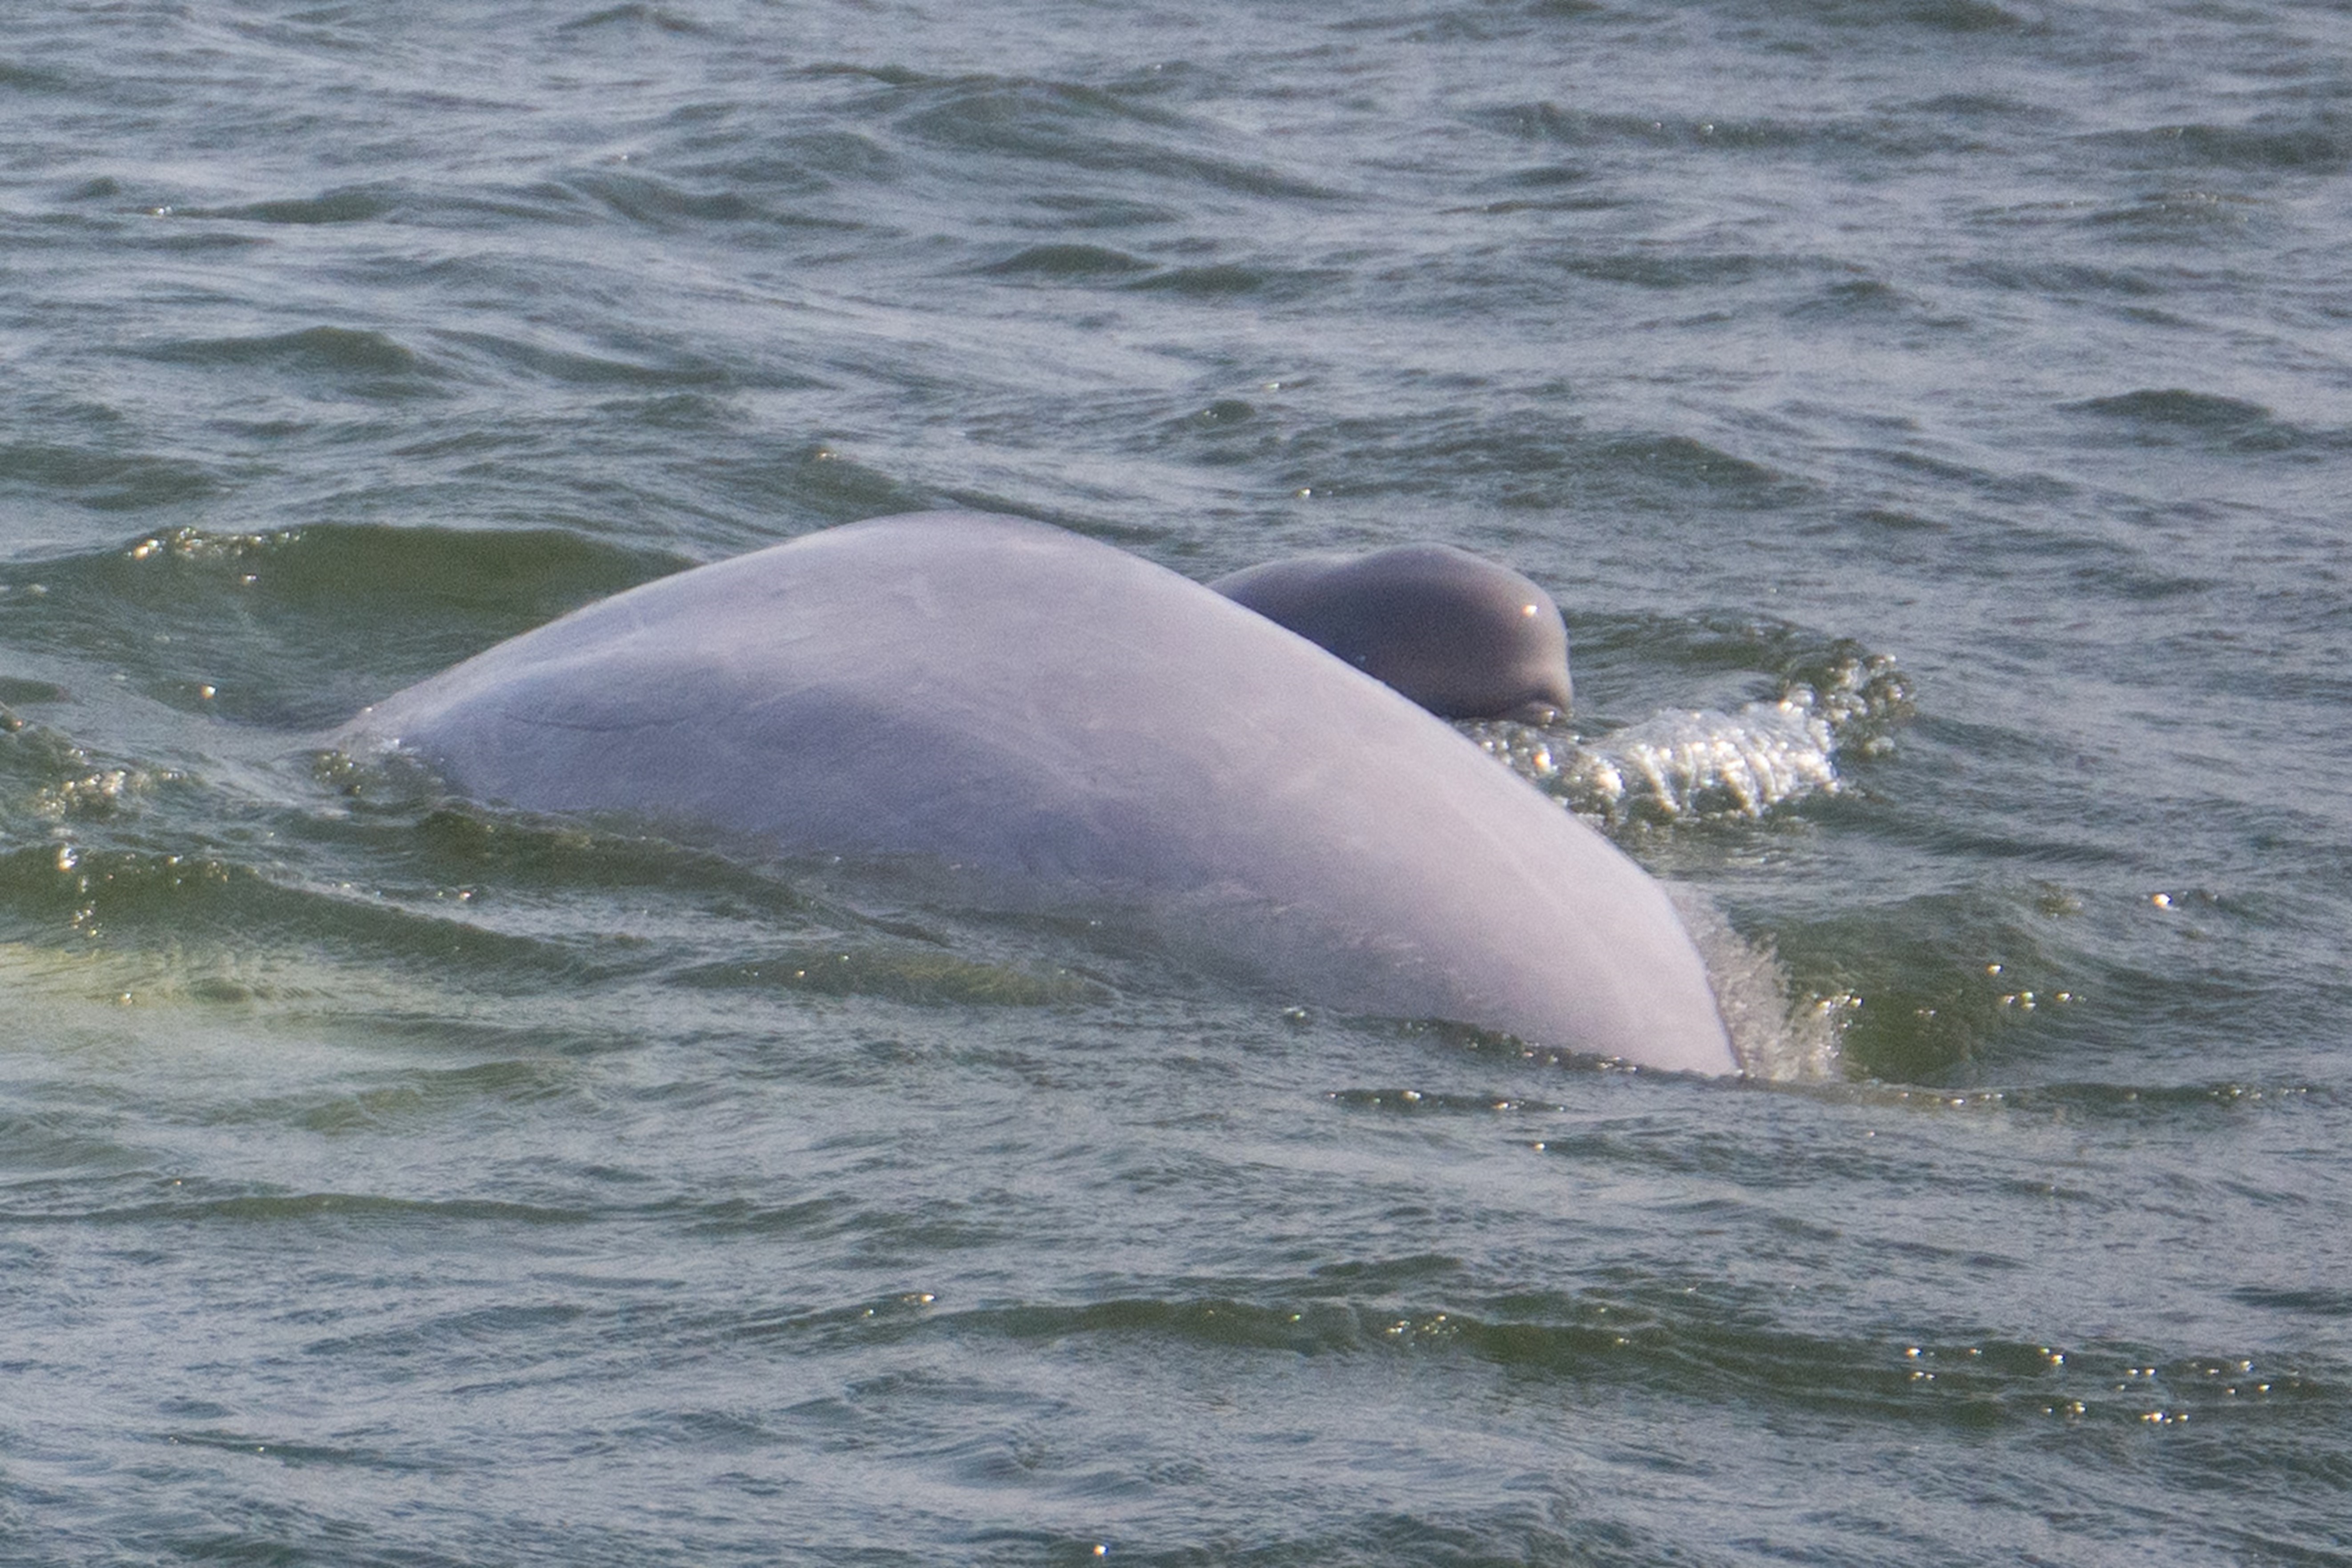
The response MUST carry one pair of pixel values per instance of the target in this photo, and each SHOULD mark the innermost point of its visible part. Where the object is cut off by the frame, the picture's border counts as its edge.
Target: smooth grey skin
(1056, 721)
(1461, 635)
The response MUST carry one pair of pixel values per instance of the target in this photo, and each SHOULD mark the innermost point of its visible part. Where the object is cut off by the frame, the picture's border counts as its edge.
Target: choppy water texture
(389, 1181)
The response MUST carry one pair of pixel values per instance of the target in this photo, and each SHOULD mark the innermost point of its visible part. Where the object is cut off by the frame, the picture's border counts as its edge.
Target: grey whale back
(1044, 710)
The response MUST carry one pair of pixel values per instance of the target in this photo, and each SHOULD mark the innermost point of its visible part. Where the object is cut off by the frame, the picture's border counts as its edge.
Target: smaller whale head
(1461, 635)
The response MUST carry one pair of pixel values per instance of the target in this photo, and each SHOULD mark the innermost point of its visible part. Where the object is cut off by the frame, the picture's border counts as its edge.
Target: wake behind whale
(1040, 712)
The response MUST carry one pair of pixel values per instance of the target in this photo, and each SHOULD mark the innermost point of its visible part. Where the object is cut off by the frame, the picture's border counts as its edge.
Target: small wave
(1961, 16)
(310, 348)
(1067, 262)
(1213, 281)
(2176, 406)
(894, 972)
(103, 480)
(1663, 270)
(611, 362)
(2174, 215)
(358, 361)
(1066, 125)
(2170, 416)
(195, 911)
(1639, 1333)
(14, 689)
(295, 627)
(348, 204)
(664, 204)
(2086, 1103)
(523, 575)
(361, 1208)
(32, 79)
(2295, 142)
(1527, 460)
(1838, 137)
(659, 18)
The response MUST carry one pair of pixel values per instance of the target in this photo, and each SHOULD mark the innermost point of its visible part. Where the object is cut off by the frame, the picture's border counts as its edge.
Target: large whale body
(1049, 716)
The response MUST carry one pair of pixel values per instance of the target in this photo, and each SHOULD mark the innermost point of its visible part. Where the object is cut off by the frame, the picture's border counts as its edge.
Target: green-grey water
(1933, 418)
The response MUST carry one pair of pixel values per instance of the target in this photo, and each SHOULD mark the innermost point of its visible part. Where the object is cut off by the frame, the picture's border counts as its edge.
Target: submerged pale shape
(1047, 711)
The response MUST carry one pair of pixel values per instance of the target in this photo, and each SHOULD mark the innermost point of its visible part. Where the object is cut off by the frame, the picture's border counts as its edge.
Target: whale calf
(1051, 716)
(1459, 634)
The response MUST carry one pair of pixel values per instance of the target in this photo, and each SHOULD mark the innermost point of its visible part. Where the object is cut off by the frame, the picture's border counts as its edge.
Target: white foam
(1777, 1039)
(1688, 765)
(1678, 765)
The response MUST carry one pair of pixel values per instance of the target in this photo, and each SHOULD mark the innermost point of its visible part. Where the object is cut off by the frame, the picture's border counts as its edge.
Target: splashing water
(1702, 763)
(1778, 1035)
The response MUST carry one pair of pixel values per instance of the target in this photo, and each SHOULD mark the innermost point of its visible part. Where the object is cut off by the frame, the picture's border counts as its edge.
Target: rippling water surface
(1933, 416)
